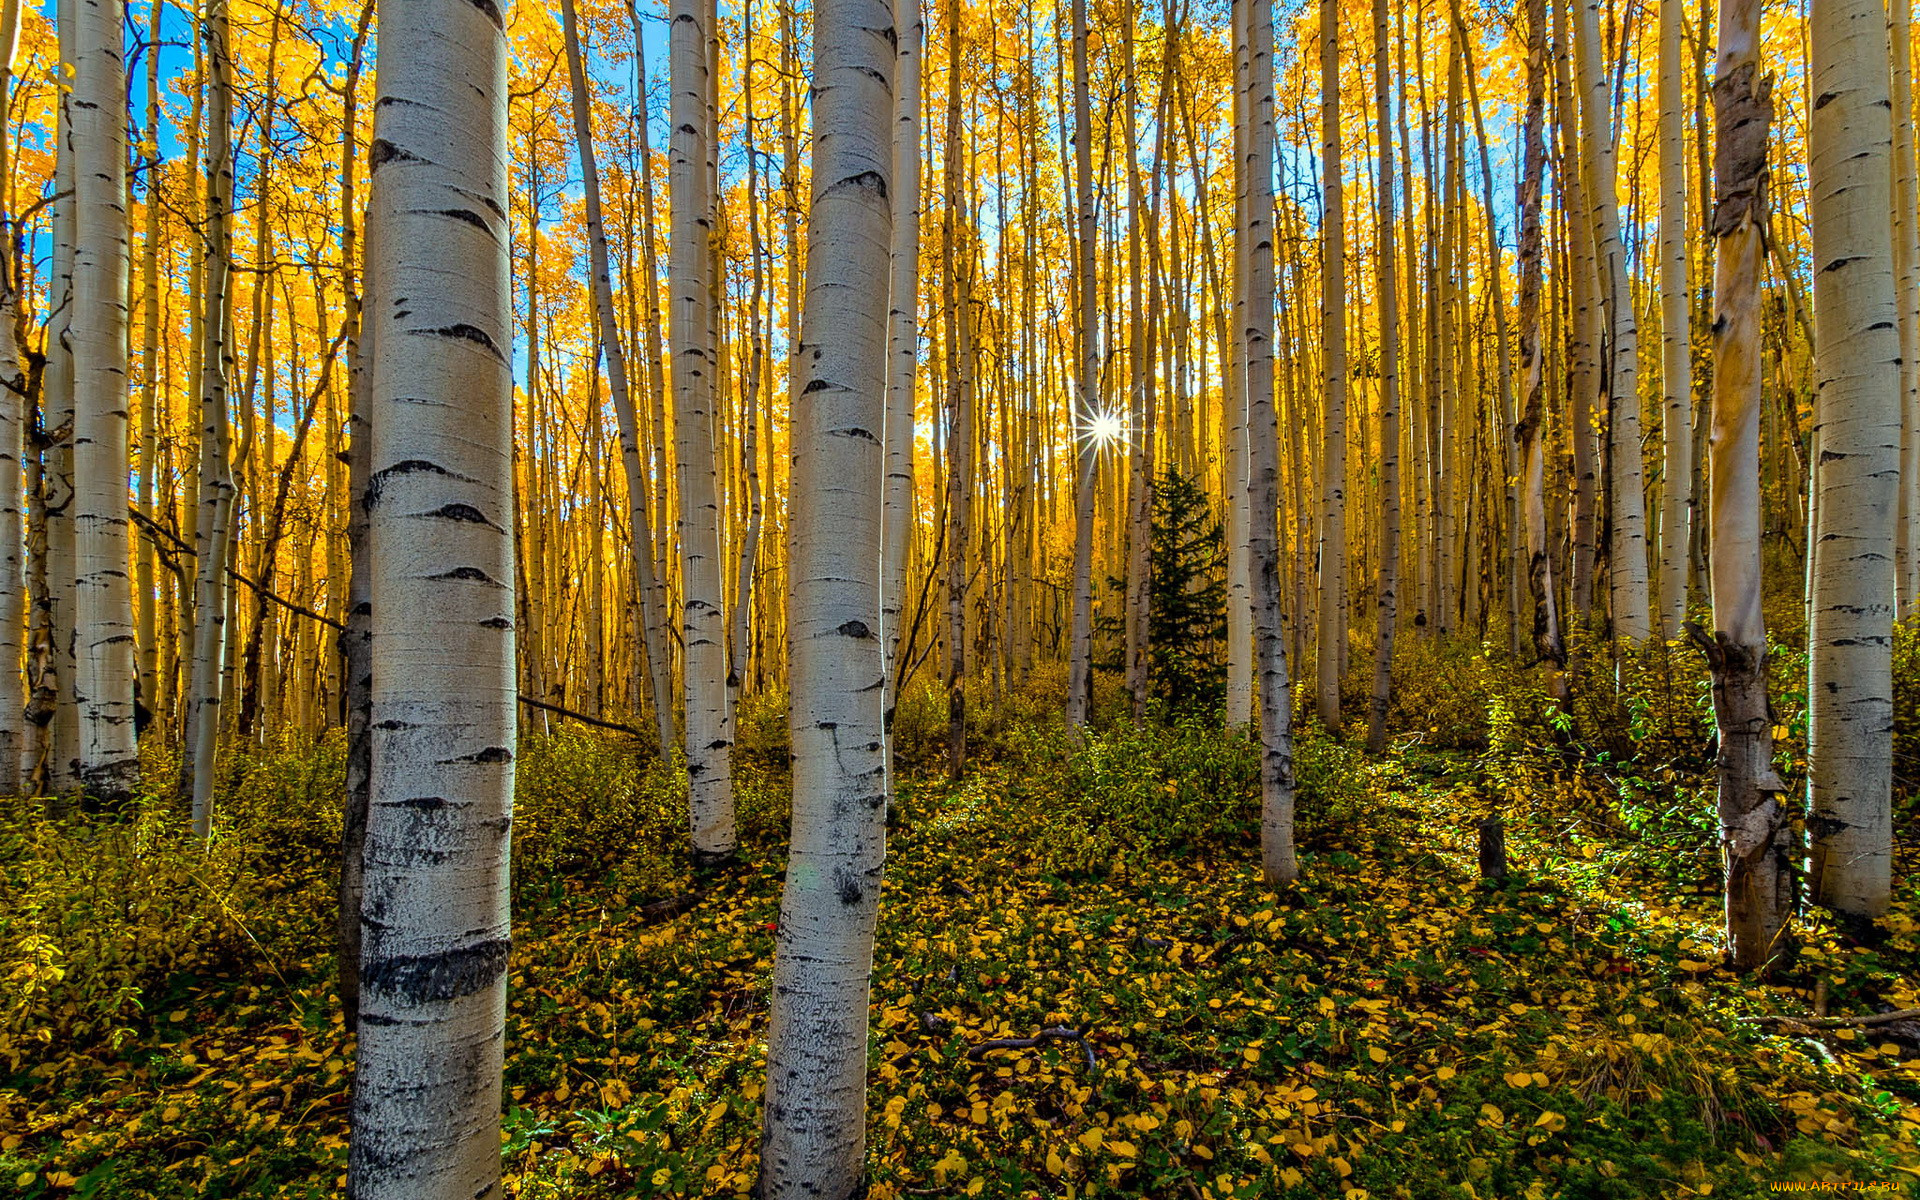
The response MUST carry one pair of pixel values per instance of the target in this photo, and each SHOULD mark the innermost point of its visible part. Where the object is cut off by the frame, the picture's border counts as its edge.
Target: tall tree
(1626, 519)
(1389, 277)
(108, 754)
(1754, 840)
(216, 469)
(1086, 446)
(709, 723)
(434, 917)
(1333, 342)
(1857, 425)
(813, 1140)
(1676, 335)
(1255, 180)
(639, 490)
(903, 344)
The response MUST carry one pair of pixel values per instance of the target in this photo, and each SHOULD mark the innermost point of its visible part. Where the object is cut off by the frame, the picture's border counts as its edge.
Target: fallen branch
(673, 906)
(181, 547)
(1885, 1018)
(1058, 1033)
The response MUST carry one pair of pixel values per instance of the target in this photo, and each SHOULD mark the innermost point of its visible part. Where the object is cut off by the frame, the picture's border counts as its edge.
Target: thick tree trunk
(1754, 840)
(1676, 341)
(813, 1141)
(1857, 423)
(639, 491)
(1333, 341)
(709, 724)
(426, 1100)
(108, 763)
(1389, 284)
(1277, 862)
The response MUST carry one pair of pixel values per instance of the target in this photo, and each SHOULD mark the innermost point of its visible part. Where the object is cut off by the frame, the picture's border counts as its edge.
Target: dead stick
(1886, 1018)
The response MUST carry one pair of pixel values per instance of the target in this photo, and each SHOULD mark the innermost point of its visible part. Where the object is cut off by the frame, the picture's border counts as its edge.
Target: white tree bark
(434, 916)
(1333, 342)
(1233, 392)
(1627, 548)
(903, 346)
(1277, 861)
(709, 723)
(108, 763)
(1753, 833)
(13, 581)
(1906, 264)
(216, 476)
(1080, 636)
(1857, 404)
(813, 1140)
(63, 731)
(1389, 284)
(1676, 346)
(639, 491)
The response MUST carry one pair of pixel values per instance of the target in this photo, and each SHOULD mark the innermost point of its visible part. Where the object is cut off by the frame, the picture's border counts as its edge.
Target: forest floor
(1389, 1027)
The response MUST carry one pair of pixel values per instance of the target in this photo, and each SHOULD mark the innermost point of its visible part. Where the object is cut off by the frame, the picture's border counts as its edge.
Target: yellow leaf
(1250, 1054)
(1493, 1115)
(1055, 1164)
(1550, 1121)
(1343, 1166)
(1123, 1149)
(1692, 966)
(1291, 1177)
(1327, 1006)
(1092, 1138)
(1444, 1074)
(26, 1179)
(975, 1185)
(1377, 1054)
(1519, 1079)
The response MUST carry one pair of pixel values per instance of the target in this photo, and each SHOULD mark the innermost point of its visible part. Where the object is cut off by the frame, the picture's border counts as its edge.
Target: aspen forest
(865, 599)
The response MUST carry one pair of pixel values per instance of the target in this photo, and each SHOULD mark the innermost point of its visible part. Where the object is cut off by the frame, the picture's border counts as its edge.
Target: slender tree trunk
(709, 727)
(1857, 405)
(108, 763)
(1627, 547)
(1548, 644)
(1583, 349)
(1333, 341)
(1080, 651)
(1676, 337)
(957, 278)
(216, 478)
(903, 348)
(1389, 284)
(813, 1141)
(640, 532)
(1754, 840)
(426, 1097)
(1906, 265)
(1277, 861)
(1233, 424)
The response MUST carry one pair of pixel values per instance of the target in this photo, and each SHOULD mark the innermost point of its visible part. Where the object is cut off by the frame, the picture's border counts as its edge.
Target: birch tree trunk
(709, 724)
(426, 1096)
(109, 763)
(216, 472)
(813, 1140)
(1627, 545)
(903, 348)
(1548, 644)
(57, 490)
(1906, 264)
(1277, 862)
(13, 581)
(1080, 638)
(1233, 391)
(957, 282)
(1857, 426)
(652, 623)
(1333, 341)
(1676, 339)
(1389, 284)
(1754, 840)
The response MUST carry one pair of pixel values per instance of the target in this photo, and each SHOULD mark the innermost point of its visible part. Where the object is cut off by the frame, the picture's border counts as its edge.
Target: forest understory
(1081, 986)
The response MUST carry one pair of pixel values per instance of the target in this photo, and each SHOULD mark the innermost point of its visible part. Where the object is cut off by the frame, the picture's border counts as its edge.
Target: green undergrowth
(1387, 1027)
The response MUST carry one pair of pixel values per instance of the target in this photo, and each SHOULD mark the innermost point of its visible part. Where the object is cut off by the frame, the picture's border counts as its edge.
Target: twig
(1058, 1033)
(1885, 1018)
(181, 547)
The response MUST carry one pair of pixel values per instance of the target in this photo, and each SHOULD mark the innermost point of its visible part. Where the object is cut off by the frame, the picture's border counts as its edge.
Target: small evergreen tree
(1187, 613)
